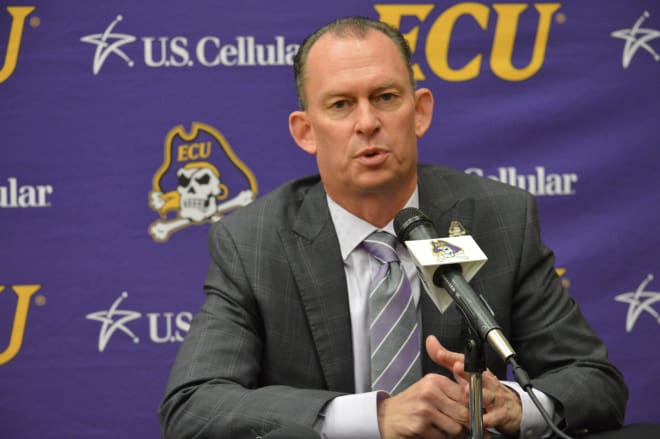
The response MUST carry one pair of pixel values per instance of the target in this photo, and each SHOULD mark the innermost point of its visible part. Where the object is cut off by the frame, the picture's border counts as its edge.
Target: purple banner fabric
(110, 112)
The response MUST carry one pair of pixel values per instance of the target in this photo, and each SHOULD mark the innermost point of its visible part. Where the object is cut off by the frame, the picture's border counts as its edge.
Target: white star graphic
(104, 46)
(637, 38)
(110, 325)
(637, 307)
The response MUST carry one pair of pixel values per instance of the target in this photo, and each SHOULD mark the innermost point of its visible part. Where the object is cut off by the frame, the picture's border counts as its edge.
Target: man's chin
(382, 182)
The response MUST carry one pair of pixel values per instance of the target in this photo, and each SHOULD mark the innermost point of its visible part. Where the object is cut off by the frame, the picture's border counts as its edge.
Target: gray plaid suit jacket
(271, 344)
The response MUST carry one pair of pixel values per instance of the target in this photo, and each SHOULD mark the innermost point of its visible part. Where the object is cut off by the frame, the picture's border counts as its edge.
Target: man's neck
(378, 209)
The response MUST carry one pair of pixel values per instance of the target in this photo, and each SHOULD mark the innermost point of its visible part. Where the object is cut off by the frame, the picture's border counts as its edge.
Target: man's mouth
(373, 156)
(372, 152)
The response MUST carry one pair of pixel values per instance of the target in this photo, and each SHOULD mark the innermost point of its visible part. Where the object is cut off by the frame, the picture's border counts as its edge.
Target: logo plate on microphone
(429, 254)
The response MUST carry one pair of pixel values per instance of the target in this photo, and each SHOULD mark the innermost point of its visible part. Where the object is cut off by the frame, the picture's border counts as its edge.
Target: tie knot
(381, 245)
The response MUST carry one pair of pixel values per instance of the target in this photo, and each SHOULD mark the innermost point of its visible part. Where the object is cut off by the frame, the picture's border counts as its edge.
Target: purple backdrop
(108, 109)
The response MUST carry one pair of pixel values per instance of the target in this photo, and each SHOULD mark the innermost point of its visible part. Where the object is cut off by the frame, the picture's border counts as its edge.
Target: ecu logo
(444, 250)
(201, 179)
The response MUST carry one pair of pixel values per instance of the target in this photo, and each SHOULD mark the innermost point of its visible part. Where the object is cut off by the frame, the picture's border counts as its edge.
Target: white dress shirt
(355, 416)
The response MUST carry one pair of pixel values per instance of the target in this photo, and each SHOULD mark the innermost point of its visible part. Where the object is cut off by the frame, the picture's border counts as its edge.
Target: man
(283, 336)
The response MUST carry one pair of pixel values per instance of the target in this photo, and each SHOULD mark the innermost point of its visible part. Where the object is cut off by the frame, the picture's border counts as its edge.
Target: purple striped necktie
(394, 332)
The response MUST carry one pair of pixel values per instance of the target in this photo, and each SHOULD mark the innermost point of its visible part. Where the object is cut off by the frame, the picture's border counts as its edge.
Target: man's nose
(367, 121)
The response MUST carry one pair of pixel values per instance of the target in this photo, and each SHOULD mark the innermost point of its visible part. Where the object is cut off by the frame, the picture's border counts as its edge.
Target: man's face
(362, 118)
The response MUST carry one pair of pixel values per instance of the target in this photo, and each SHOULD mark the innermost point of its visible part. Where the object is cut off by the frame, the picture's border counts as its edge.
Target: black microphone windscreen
(411, 224)
(293, 432)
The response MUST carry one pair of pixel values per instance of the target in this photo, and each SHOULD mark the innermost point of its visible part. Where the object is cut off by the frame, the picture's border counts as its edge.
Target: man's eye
(387, 97)
(338, 105)
(387, 100)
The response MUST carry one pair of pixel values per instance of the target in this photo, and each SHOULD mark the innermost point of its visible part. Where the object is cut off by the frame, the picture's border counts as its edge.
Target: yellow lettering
(182, 155)
(18, 13)
(440, 33)
(392, 14)
(505, 34)
(437, 43)
(204, 150)
(194, 151)
(24, 293)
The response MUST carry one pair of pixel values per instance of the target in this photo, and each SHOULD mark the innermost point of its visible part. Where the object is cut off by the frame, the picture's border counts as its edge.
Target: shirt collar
(351, 230)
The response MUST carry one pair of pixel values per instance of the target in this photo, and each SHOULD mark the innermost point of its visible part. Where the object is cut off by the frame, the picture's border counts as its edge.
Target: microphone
(293, 432)
(412, 225)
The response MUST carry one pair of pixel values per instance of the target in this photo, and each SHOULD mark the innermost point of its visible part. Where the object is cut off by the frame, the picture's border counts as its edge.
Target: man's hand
(437, 408)
(503, 406)
(432, 408)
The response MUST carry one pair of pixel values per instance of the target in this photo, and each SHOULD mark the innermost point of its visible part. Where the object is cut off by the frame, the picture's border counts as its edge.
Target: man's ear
(423, 110)
(301, 131)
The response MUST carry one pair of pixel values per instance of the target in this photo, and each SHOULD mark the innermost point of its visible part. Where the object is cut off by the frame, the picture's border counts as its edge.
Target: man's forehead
(333, 46)
(332, 38)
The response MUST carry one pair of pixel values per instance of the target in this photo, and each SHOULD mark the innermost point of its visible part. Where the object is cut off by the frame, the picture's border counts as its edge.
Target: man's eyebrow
(334, 94)
(386, 85)
(396, 85)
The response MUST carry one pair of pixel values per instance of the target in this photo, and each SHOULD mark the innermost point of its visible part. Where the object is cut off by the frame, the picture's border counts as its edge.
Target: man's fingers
(503, 407)
(426, 409)
(440, 355)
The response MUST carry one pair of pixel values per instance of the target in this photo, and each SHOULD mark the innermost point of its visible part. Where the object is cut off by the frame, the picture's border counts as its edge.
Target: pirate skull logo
(199, 188)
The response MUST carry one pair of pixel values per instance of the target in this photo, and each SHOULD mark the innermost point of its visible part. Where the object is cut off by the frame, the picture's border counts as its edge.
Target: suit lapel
(313, 252)
(438, 201)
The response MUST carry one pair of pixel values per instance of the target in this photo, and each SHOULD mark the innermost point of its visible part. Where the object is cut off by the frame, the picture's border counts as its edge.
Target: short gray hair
(348, 27)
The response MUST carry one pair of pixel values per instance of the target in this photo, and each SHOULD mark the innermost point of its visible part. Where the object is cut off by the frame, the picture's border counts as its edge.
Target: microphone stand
(411, 224)
(475, 365)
